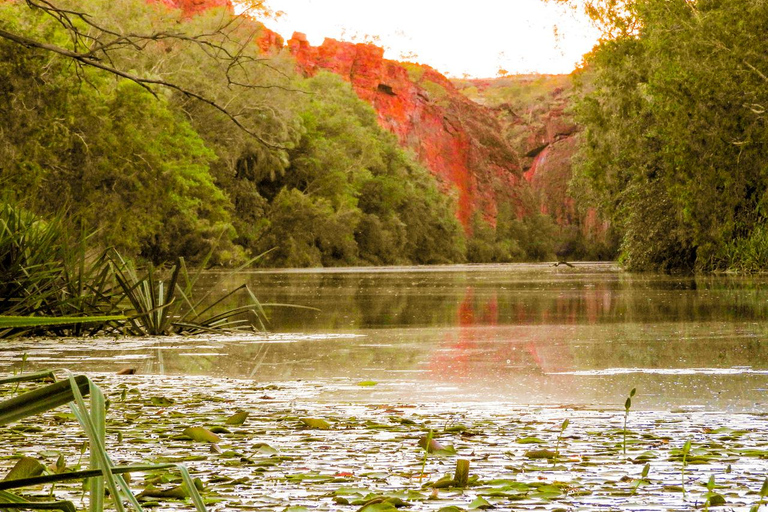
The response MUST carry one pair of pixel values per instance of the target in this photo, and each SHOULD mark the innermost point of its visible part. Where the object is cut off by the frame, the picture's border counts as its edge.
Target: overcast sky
(475, 37)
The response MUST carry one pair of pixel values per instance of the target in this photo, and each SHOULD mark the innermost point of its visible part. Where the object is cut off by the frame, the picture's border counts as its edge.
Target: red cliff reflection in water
(525, 336)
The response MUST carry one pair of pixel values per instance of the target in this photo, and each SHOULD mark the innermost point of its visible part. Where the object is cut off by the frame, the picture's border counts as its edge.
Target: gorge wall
(489, 142)
(459, 140)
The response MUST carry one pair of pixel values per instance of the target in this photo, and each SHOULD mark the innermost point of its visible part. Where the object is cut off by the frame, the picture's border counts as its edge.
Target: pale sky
(475, 37)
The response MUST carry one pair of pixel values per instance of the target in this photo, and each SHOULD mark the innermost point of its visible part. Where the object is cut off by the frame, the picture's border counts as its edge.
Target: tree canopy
(675, 147)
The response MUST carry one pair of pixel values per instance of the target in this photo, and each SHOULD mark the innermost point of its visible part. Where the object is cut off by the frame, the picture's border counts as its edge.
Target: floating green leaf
(201, 434)
(238, 418)
(315, 423)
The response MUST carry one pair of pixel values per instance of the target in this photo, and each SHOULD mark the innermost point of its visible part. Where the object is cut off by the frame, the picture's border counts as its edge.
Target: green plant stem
(426, 452)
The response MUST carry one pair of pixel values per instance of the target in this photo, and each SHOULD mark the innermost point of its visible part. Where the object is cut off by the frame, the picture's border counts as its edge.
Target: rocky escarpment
(459, 140)
(533, 110)
(489, 142)
(191, 7)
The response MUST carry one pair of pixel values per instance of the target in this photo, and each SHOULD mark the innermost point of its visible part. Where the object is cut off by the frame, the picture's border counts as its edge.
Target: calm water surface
(523, 334)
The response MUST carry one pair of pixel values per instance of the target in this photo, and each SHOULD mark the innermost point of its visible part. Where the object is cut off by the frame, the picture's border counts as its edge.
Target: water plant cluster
(52, 284)
(256, 446)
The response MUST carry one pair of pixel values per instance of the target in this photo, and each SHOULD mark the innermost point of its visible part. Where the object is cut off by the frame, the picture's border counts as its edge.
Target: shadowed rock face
(458, 140)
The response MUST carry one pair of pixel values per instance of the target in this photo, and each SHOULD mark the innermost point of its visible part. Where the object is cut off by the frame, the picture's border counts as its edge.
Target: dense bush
(676, 143)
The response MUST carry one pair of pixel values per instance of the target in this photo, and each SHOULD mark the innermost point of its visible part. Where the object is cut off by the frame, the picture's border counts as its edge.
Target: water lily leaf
(238, 418)
(264, 448)
(382, 506)
(480, 503)
(436, 447)
(716, 500)
(317, 423)
(161, 401)
(178, 491)
(26, 467)
(201, 434)
(452, 508)
(445, 483)
(367, 383)
(540, 454)
(295, 509)
(529, 440)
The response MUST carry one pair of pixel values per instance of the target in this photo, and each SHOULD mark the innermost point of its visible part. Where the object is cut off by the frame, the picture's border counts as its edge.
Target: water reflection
(516, 333)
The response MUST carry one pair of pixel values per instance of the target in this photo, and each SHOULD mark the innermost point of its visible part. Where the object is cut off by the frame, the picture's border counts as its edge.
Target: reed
(52, 285)
(102, 474)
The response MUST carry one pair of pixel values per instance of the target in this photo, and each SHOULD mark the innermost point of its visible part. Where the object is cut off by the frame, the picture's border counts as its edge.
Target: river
(520, 334)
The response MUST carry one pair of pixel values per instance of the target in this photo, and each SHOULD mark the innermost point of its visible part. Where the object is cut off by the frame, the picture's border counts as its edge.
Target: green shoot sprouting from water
(643, 476)
(686, 451)
(763, 495)
(559, 436)
(21, 371)
(426, 452)
(627, 407)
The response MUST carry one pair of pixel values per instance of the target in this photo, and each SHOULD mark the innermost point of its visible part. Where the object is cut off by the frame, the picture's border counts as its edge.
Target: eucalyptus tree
(136, 119)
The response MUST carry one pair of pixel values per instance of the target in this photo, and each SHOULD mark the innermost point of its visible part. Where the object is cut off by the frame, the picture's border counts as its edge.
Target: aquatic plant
(427, 446)
(643, 477)
(51, 285)
(102, 473)
(559, 437)
(763, 495)
(711, 498)
(685, 452)
(159, 308)
(627, 406)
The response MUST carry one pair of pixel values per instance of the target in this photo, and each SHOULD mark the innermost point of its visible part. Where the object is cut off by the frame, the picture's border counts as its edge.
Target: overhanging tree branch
(89, 60)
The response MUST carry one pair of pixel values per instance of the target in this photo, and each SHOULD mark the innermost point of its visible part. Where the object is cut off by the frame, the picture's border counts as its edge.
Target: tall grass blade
(66, 506)
(42, 399)
(77, 475)
(196, 498)
(28, 377)
(36, 321)
(99, 458)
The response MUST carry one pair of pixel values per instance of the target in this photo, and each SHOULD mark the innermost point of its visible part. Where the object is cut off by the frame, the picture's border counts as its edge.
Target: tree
(138, 155)
(675, 139)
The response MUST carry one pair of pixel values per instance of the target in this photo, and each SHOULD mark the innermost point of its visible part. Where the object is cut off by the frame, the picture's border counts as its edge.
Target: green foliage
(675, 142)
(102, 474)
(159, 175)
(51, 285)
(350, 195)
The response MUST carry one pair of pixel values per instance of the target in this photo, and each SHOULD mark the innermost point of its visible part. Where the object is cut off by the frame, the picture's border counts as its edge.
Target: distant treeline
(167, 175)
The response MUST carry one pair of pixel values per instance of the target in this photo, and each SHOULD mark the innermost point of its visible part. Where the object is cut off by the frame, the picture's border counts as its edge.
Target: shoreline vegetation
(308, 174)
(52, 285)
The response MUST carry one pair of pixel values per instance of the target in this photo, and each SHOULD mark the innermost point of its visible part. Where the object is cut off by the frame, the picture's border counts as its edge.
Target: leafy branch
(94, 45)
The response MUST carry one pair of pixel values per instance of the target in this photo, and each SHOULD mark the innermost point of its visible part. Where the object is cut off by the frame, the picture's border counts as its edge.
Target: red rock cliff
(458, 140)
(191, 7)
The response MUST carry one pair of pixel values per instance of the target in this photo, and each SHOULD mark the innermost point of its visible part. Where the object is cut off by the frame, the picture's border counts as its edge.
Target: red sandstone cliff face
(459, 140)
(486, 150)
(191, 7)
(534, 113)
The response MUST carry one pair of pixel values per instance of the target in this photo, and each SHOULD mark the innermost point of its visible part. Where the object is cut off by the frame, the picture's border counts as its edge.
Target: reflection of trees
(360, 300)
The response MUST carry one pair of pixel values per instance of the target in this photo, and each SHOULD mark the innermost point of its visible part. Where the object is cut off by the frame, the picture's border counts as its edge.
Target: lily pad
(238, 418)
(316, 423)
(201, 434)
